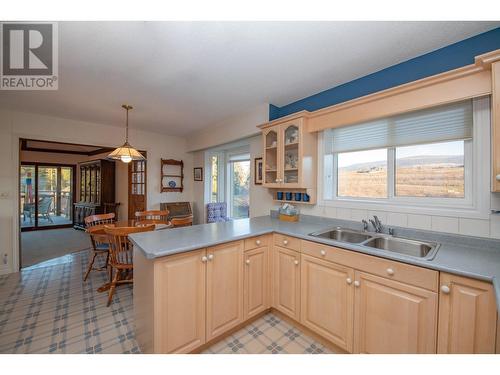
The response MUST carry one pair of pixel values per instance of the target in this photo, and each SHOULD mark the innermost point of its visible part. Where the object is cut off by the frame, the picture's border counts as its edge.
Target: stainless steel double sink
(400, 245)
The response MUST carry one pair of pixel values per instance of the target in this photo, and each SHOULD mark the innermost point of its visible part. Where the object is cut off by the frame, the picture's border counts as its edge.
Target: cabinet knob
(204, 259)
(210, 256)
(285, 242)
(247, 261)
(323, 252)
(445, 289)
(356, 284)
(257, 242)
(296, 262)
(390, 271)
(277, 180)
(497, 177)
(348, 281)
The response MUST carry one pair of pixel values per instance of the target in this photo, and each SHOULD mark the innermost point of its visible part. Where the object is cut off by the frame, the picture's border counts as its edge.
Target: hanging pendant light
(126, 153)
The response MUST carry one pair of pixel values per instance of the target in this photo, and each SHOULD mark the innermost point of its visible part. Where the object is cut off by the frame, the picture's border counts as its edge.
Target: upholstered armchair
(217, 212)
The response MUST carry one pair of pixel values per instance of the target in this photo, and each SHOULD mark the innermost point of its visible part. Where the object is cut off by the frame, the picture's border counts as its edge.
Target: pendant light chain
(126, 126)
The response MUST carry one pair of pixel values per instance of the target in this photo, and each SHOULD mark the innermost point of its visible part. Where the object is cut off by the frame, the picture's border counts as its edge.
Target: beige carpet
(42, 245)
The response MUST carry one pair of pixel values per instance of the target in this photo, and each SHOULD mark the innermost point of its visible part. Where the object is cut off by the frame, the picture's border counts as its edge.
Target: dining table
(124, 224)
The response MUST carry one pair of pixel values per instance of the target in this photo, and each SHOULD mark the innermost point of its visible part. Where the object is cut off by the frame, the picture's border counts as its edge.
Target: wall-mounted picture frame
(258, 171)
(198, 174)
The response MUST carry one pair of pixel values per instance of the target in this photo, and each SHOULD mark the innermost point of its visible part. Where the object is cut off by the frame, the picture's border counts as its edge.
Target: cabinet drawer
(287, 242)
(255, 242)
(413, 275)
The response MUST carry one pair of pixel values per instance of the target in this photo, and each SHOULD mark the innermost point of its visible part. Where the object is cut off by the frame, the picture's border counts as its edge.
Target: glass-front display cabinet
(289, 155)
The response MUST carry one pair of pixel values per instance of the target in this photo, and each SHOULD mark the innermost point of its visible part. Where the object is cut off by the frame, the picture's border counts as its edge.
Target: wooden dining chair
(120, 251)
(182, 221)
(99, 240)
(152, 217)
(93, 220)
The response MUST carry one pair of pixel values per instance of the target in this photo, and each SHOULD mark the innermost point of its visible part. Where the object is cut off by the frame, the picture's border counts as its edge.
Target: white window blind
(437, 124)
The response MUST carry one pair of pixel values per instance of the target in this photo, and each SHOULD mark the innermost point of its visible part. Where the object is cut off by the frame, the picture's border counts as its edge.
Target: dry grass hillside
(433, 178)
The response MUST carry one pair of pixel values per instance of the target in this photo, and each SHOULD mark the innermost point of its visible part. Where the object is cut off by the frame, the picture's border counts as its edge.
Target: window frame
(466, 201)
(221, 193)
(475, 204)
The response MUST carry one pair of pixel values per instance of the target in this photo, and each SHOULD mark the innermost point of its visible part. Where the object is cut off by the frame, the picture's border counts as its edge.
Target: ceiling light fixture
(126, 153)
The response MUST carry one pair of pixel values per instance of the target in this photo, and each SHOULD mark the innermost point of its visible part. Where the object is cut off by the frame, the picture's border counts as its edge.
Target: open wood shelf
(179, 166)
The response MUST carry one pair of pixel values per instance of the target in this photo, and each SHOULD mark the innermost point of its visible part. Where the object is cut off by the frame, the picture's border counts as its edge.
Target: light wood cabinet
(224, 290)
(286, 281)
(393, 317)
(180, 303)
(467, 316)
(327, 300)
(289, 155)
(495, 126)
(256, 288)
(360, 303)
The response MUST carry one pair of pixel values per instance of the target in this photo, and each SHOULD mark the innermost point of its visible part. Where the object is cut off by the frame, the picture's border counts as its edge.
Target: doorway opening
(239, 186)
(54, 185)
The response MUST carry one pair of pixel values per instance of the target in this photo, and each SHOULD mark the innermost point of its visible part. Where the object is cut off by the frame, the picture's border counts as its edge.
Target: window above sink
(414, 167)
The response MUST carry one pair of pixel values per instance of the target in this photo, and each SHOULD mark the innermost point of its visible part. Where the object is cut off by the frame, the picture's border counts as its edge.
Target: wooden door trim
(131, 212)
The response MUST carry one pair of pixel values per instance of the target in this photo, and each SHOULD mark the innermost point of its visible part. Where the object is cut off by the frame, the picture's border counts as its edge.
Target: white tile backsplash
(344, 213)
(495, 226)
(331, 212)
(358, 215)
(444, 224)
(474, 227)
(397, 219)
(419, 221)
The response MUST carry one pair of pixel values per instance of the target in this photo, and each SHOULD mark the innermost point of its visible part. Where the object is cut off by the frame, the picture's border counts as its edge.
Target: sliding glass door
(239, 186)
(46, 195)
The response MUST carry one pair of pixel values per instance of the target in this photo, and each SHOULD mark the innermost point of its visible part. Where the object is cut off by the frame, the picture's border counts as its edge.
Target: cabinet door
(467, 316)
(286, 294)
(255, 281)
(495, 126)
(180, 303)
(291, 154)
(392, 317)
(224, 288)
(271, 159)
(327, 300)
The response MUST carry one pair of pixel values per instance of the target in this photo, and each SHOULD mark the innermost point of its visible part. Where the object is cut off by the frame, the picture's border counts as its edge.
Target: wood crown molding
(466, 82)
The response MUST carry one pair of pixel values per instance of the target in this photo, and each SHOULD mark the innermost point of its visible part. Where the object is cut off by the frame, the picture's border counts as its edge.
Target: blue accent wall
(447, 58)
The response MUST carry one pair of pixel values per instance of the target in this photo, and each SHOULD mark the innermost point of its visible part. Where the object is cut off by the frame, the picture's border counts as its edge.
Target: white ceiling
(183, 76)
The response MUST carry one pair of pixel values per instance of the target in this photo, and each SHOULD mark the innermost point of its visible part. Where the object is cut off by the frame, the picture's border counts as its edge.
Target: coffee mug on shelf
(279, 195)
(288, 195)
(298, 197)
(306, 197)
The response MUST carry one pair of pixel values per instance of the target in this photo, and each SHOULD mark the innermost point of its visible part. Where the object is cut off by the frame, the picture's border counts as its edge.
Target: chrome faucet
(377, 224)
(365, 225)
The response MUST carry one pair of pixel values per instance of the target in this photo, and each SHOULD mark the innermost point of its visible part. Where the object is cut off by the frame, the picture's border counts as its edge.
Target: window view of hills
(415, 176)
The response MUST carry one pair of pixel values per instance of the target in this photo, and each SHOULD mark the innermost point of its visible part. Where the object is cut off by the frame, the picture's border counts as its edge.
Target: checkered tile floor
(266, 335)
(49, 309)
